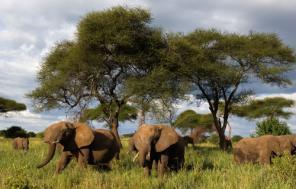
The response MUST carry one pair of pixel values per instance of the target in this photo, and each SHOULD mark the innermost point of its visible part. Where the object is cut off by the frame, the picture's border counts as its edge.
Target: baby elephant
(263, 148)
(20, 143)
(78, 140)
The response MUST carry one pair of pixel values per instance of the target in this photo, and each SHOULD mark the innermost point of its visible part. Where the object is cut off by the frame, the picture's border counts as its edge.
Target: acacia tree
(7, 105)
(156, 94)
(216, 64)
(127, 113)
(270, 109)
(189, 120)
(111, 48)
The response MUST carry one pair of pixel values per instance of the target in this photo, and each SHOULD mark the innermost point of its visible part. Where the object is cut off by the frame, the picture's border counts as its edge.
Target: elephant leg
(155, 164)
(265, 159)
(83, 157)
(63, 162)
(148, 167)
(162, 164)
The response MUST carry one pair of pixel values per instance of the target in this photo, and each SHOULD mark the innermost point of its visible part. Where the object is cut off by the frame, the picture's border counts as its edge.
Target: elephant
(160, 144)
(21, 144)
(88, 146)
(262, 149)
(196, 135)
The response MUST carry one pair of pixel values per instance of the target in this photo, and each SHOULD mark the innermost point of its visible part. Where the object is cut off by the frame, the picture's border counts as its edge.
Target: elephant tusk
(148, 156)
(136, 156)
(55, 142)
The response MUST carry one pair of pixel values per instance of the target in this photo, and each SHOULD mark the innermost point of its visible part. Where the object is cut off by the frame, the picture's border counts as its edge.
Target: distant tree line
(16, 131)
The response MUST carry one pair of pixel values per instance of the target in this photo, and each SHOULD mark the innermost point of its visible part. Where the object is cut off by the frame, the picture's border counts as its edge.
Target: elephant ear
(167, 138)
(84, 135)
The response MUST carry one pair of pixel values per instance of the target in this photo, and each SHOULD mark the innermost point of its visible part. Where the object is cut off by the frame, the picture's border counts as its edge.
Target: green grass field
(206, 167)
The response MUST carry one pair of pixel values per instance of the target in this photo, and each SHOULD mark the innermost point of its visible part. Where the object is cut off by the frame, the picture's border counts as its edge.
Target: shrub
(14, 131)
(272, 126)
(31, 134)
(214, 139)
(236, 138)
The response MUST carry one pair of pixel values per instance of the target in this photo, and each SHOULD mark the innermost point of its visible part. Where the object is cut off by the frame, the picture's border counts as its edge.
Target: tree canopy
(113, 49)
(271, 107)
(217, 63)
(127, 113)
(189, 120)
(7, 105)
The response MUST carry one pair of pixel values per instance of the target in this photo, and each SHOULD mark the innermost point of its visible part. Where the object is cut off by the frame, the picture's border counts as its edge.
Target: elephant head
(152, 138)
(292, 144)
(70, 136)
(25, 143)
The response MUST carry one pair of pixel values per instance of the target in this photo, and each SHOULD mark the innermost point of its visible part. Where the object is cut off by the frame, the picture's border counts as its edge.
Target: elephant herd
(159, 144)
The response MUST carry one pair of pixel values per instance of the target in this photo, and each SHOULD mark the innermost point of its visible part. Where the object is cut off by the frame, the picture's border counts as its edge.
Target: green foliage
(273, 127)
(214, 139)
(265, 108)
(113, 50)
(14, 131)
(40, 135)
(217, 63)
(189, 119)
(236, 138)
(127, 113)
(7, 105)
(2, 132)
(31, 134)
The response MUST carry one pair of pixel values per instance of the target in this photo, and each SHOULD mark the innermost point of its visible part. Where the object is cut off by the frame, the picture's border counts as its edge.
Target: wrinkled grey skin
(160, 144)
(20, 144)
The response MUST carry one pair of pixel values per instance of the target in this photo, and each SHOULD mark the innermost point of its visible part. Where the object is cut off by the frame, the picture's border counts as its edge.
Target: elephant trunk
(51, 151)
(144, 156)
(26, 144)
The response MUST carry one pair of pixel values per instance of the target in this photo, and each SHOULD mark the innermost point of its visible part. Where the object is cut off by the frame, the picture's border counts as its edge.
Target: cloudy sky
(29, 29)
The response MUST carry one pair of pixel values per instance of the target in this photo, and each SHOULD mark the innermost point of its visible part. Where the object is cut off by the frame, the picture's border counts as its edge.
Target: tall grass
(205, 167)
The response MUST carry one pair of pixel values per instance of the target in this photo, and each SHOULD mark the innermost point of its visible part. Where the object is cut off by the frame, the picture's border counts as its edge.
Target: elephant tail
(51, 151)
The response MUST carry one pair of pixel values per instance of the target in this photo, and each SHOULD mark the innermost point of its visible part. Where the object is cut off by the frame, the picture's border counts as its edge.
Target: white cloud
(28, 120)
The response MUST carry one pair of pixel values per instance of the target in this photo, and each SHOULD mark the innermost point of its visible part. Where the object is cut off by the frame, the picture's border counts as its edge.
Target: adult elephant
(20, 143)
(161, 144)
(88, 146)
(262, 149)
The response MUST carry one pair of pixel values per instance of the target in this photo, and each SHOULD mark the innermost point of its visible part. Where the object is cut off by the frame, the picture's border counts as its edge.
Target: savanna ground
(206, 167)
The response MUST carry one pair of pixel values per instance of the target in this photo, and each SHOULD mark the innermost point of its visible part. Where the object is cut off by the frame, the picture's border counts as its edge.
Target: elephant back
(104, 139)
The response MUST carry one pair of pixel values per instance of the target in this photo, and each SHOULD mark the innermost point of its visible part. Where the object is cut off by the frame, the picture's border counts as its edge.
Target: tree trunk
(114, 129)
(141, 118)
(220, 130)
(222, 141)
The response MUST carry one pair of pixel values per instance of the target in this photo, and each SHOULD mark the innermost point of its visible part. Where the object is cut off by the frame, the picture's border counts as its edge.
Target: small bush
(236, 138)
(272, 126)
(214, 139)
